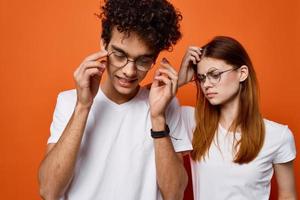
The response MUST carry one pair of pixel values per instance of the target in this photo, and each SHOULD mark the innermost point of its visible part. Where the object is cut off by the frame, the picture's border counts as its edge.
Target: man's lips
(125, 82)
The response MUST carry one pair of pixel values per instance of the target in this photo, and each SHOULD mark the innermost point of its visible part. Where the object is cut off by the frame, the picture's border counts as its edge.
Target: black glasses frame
(138, 66)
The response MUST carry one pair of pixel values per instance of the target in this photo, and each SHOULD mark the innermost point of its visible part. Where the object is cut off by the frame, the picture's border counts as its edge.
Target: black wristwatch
(160, 134)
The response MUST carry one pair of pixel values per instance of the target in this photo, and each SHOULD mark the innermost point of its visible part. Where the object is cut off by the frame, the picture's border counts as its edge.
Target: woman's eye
(215, 75)
(201, 78)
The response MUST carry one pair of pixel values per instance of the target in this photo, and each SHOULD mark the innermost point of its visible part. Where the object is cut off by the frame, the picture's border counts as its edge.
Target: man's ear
(244, 73)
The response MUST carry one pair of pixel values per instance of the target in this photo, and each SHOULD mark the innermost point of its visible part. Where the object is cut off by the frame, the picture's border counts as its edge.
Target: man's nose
(130, 69)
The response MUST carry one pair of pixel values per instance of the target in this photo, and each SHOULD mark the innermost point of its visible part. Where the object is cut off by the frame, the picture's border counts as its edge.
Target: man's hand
(163, 89)
(88, 76)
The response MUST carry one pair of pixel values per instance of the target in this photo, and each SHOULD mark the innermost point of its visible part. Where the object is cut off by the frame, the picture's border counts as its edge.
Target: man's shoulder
(67, 97)
(67, 94)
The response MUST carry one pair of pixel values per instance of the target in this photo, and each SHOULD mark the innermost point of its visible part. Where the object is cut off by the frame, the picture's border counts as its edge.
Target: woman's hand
(190, 59)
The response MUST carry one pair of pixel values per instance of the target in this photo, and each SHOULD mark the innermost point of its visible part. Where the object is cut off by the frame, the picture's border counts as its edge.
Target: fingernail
(164, 60)
(102, 66)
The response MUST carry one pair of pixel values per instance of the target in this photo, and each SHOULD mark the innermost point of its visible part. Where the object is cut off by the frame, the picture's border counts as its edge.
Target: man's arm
(284, 173)
(171, 174)
(56, 170)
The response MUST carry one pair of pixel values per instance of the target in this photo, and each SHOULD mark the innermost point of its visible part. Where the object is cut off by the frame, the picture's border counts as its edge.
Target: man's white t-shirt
(218, 177)
(116, 159)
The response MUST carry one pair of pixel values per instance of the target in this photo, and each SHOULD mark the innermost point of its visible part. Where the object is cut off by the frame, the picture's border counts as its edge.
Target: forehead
(207, 64)
(131, 44)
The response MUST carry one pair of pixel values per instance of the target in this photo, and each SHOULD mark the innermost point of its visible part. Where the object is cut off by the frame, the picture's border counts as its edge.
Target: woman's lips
(210, 95)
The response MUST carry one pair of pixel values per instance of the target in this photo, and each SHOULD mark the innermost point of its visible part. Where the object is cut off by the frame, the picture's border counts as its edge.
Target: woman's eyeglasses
(213, 76)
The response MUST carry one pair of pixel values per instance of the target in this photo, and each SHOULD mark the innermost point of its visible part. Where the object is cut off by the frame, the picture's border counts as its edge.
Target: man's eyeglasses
(213, 76)
(119, 59)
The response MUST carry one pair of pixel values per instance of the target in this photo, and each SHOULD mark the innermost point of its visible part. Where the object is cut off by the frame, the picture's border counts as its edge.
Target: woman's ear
(244, 72)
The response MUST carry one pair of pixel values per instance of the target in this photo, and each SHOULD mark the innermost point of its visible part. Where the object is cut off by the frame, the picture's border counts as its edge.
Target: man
(101, 146)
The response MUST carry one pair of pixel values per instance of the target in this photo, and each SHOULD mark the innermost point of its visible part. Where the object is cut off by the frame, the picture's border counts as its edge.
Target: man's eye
(145, 60)
(119, 54)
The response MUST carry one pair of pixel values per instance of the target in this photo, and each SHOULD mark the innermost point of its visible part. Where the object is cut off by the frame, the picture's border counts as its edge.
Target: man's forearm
(171, 175)
(57, 168)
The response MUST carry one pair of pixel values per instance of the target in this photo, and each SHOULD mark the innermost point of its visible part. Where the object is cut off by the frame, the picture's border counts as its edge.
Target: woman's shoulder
(275, 128)
(277, 133)
(280, 138)
(188, 110)
(188, 113)
(188, 118)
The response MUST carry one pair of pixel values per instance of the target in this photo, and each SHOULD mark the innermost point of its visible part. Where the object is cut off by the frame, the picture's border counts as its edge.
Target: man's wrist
(158, 123)
(79, 108)
(160, 134)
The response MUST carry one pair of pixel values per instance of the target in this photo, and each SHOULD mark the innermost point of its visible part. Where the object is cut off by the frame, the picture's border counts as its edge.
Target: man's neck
(111, 93)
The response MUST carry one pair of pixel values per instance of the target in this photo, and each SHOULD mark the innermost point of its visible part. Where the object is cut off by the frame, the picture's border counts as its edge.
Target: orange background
(42, 42)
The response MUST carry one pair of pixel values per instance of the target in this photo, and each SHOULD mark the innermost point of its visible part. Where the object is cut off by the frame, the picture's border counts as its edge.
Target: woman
(235, 150)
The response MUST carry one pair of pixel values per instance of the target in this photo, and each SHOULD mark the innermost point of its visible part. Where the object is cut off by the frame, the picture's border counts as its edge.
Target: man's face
(123, 81)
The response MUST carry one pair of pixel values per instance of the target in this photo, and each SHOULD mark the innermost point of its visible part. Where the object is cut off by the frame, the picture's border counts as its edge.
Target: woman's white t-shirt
(217, 177)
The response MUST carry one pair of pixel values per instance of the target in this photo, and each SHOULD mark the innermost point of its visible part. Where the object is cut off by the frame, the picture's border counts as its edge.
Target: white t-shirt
(116, 158)
(217, 177)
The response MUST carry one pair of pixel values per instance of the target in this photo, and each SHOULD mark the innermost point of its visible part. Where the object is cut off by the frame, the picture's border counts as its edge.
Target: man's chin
(127, 91)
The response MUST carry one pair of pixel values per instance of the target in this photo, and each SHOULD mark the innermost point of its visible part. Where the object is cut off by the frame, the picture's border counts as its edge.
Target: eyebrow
(210, 71)
(152, 55)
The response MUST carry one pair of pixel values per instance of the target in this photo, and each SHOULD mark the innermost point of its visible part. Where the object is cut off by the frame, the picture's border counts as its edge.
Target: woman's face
(219, 81)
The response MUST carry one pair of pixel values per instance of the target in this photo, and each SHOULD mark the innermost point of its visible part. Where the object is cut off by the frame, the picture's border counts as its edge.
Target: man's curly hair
(155, 21)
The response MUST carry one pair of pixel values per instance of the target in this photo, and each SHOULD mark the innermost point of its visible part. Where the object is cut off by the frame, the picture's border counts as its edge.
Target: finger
(95, 56)
(164, 82)
(164, 79)
(174, 81)
(166, 64)
(91, 73)
(196, 55)
(193, 60)
(91, 64)
(155, 82)
(196, 49)
(83, 81)
(171, 75)
(94, 64)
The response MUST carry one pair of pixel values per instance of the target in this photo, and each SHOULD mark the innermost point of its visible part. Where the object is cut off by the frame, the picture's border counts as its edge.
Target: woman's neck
(229, 112)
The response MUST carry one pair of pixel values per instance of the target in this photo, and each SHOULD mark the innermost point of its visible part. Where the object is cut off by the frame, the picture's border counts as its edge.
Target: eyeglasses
(119, 59)
(213, 76)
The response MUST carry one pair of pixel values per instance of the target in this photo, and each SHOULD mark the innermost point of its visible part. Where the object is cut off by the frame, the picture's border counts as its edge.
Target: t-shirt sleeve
(188, 119)
(62, 113)
(178, 131)
(286, 151)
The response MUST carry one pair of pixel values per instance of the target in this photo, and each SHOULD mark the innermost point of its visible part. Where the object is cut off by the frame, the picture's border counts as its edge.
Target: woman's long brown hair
(249, 120)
